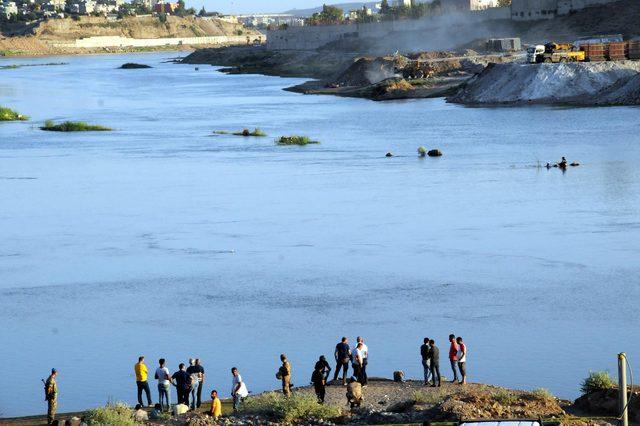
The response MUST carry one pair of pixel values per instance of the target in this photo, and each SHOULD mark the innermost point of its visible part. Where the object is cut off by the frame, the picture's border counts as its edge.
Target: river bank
(97, 34)
(388, 402)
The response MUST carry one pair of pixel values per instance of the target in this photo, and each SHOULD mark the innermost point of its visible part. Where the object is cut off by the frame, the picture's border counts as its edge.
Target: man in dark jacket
(425, 349)
(318, 381)
(434, 359)
(324, 366)
(180, 380)
(342, 355)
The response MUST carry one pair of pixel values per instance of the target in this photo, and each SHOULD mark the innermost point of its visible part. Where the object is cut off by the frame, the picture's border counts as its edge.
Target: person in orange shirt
(141, 380)
(216, 405)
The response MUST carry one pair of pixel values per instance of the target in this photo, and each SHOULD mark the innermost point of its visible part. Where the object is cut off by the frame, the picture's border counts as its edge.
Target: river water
(163, 239)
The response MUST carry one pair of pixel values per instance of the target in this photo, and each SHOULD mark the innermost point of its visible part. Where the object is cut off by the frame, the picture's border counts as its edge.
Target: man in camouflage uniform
(51, 396)
(285, 373)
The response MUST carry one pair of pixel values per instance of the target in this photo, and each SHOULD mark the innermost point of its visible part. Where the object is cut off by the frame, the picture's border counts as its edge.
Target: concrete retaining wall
(117, 41)
(313, 37)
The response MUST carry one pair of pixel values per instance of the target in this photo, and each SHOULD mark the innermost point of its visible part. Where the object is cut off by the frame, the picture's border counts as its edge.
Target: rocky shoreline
(410, 402)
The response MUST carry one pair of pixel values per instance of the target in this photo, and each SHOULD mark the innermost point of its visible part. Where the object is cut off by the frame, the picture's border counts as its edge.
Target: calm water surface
(162, 239)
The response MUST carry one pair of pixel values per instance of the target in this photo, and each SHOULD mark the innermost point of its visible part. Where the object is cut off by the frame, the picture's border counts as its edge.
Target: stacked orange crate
(634, 49)
(594, 52)
(618, 51)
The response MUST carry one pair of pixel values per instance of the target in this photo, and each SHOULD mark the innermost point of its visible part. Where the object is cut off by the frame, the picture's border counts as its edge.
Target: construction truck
(554, 52)
(416, 69)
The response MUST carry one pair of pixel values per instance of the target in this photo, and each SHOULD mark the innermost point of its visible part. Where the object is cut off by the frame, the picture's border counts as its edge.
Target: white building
(399, 3)
(531, 10)
(466, 5)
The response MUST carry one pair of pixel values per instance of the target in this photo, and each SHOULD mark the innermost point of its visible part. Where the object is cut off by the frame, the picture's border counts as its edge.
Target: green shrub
(113, 414)
(295, 140)
(298, 407)
(72, 126)
(7, 114)
(428, 397)
(246, 132)
(422, 151)
(505, 397)
(597, 380)
(541, 394)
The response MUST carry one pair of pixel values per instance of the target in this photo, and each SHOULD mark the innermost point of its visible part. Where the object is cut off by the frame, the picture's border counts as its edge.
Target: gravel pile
(566, 83)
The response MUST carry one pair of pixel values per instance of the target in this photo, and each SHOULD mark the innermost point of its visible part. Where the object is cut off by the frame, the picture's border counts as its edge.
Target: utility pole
(622, 388)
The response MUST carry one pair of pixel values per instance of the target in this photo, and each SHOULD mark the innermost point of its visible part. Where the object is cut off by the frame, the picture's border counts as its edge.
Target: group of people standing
(430, 354)
(190, 380)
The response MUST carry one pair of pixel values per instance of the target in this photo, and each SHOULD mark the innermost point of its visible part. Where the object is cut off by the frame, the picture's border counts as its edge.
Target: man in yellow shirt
(141, 380)
(216, 405)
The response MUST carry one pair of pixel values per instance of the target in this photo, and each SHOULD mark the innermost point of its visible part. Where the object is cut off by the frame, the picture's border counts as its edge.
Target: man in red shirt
(453, 356)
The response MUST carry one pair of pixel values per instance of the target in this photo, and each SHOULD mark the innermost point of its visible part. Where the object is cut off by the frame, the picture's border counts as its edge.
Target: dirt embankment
(597, 83)
(258, 60)
(40, 39)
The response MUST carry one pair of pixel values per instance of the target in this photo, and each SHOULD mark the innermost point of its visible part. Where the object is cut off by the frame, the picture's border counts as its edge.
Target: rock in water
(389, 154)
(434, 153)
(133, 66)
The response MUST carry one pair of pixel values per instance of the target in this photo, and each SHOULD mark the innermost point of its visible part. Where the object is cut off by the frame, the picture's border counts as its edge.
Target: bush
(422, 151)
(295, 140)
(72, 126)
(597, 380)
(428, 397)
(7, 114)
(246, 132)
(542, 394)
(297, 407)
(505, 397)
(113, 414)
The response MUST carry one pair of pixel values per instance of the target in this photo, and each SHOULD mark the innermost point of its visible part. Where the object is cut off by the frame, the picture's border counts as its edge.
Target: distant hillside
(134, 27)
(344, 6)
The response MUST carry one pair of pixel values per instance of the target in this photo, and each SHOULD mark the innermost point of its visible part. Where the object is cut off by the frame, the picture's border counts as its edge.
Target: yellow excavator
(554, 52)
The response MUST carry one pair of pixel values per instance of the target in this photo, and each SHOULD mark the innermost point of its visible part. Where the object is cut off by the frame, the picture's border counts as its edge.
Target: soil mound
(366, 71)
(572, 83)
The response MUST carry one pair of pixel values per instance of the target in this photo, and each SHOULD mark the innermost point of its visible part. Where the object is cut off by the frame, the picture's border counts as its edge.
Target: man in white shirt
(164, 385)
(365, 361)
(238, 389)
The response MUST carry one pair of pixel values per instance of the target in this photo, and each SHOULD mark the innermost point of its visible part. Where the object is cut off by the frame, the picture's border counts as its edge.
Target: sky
(253, 6)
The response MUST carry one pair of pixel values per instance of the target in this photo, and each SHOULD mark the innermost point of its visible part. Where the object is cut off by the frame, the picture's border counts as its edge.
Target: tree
(330, 15)
(504, 3)
(203, 12)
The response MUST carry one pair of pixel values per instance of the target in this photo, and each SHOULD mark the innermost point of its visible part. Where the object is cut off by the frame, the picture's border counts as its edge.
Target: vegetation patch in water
(244, 132)
(295, 140)
(7, 114)
(73, 126)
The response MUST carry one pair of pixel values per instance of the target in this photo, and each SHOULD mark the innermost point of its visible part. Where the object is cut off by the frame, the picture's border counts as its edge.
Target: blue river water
(163, 239)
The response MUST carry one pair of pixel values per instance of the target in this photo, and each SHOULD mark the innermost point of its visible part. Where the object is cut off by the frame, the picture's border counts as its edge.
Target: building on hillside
(148, 4)
(401, 3)
(162, 7)
(531, 10)
(265, 20)
(467, 5)
(86, 7)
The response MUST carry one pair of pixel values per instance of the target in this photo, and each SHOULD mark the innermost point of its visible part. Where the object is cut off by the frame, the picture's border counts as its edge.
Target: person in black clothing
(196, 371)
(342, 355)
(434, 359)
(318, 380)
(425, 349)
(180, 380)
(324, 366)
